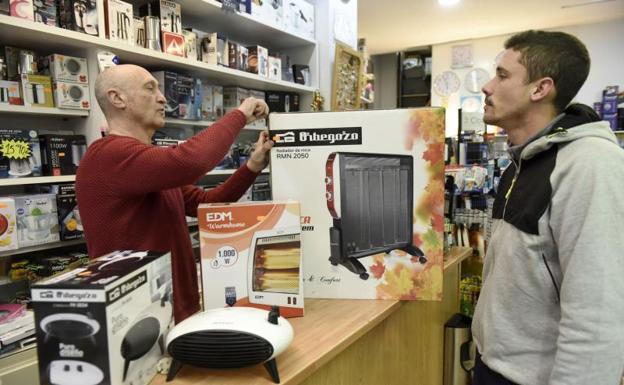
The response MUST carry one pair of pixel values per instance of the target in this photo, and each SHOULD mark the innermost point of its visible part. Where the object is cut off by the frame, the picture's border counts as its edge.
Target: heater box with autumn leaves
(371, 189)
(251, 255)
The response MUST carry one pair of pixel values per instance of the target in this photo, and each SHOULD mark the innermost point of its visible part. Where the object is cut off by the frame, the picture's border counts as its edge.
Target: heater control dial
(328, 180)
(329, 196)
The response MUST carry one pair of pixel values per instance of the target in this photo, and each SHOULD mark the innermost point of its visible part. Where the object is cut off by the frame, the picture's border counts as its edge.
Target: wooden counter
(349, 342)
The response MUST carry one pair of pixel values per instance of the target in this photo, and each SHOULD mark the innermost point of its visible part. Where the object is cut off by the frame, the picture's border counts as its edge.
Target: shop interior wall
(385, 69)
(604, 41)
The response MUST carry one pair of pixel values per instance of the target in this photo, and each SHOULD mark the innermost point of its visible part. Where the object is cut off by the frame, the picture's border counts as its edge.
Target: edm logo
(218, 217)
(287, 137)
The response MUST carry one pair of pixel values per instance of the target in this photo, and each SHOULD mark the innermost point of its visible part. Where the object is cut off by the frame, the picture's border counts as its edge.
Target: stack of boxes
(71, 81)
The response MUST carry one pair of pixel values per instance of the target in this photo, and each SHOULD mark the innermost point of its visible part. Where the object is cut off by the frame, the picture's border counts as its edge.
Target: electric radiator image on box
(370, 197)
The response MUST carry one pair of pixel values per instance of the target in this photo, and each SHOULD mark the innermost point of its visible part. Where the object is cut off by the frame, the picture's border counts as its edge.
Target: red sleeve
(139, 168)
(229, 191)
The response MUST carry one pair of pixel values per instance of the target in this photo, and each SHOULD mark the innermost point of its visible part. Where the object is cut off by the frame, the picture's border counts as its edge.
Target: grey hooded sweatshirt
(551, 309)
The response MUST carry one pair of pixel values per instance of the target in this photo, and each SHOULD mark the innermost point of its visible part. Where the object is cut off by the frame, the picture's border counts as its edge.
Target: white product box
(71, 95)
(139, 32)
(206, 47)
(233, 97)
(372, 199)
(119, 21)
(258, 60)
(251, 255)
(275, 68)
(68, 69)
(299, 18)
(260, 123)
(170, 16)
(190, 44)
(10, 93)
(24, 9)
(104, 323)
(8, 229)
(217, 94)
(37, 219)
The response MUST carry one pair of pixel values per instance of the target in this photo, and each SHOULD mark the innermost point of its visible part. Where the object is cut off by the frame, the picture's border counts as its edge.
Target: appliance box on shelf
(37, 91)
(168, 85)
(190, 44)
(68, 69)
(71, 95)
(139, 32)
(259, 123)
(275, 68)
(58, 152)
(20, 154)
(45, 12)
(119, 19)
(170, 14)
(233, 97)
(8, 229)
(299, 18)
(173, 43)
(69, 216)
(10, 93)
(372, 199)
(279, 101)
(23, 9)
(251, 255)
(207, 47)
(104, 323)
(258, 60)
(186, 87)
(207, 104)
(37, 219)
(79, 15)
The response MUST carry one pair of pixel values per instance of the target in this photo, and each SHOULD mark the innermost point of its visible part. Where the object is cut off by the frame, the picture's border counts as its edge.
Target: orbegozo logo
(336, 136)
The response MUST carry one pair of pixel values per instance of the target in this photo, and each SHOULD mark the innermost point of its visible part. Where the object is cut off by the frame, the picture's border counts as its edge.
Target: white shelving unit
(45, 246)
(200, 123)
(9, 109)
(37, 180)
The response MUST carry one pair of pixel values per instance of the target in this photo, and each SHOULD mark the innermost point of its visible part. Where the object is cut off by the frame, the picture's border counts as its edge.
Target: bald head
(121, 78)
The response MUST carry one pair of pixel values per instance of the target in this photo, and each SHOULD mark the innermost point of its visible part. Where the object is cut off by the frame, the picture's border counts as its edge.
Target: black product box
(105, 323)
(56, 155)
(233, 57)
(4, 7)
(79, 15)
(69, 216)
(20, 154)
(186, 86)
(282, 101)
(45, 12)
(302, 74)
(166, 142)
(168, 85)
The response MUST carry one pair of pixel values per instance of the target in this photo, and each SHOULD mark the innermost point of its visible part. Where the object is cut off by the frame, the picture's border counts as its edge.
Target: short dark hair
(557, 55)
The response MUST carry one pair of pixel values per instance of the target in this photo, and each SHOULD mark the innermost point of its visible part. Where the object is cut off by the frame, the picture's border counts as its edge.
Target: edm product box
(68, 68)
(71, 95)
(8, 229)
(168, 85)
(251, 255)
(37, 90)
(20, 154)
(104, 323)
(37, 219)
(69, 216)
(119, 21)
(372, 199)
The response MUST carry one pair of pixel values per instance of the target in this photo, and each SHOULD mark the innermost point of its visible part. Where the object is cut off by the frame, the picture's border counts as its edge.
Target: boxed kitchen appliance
(105, 323)
(8, 229)
(372, 199)
(119, 21)
(251, 255)
(69, 216)
(258, 60)
(168, 85)
(68, 68)
(20, 154)
(71, 95)
(37, 219)
(10, 93)
(79, 15)
(37, 91)
(61, 154)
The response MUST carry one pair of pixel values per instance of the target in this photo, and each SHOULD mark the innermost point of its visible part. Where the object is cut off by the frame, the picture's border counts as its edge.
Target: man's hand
(259, 157)
(254, 109)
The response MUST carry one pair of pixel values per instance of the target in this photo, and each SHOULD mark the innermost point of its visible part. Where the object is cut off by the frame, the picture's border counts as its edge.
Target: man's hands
(259, 157)
(254, 109)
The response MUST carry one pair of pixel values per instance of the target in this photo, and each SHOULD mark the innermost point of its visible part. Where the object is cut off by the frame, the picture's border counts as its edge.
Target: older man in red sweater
(134, 195)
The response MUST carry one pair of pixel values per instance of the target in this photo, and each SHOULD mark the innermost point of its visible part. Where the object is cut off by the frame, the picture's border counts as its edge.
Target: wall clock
(446, 83)
(475, 79)
(461, 56)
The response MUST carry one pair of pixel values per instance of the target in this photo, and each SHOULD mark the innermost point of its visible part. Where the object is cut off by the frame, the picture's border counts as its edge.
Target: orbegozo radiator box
(104, 323)
(372, 199)
(251, 255)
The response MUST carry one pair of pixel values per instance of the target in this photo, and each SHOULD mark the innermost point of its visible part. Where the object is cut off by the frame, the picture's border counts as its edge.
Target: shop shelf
(9, 109)
(45, 246)
(37, 180)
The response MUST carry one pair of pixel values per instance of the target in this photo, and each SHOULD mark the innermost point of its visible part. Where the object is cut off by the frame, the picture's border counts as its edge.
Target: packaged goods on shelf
(169, 12)
(258, 60)
(61, 154)
(10, 93)
(37, 90)
(20, 61)
(37, 219)
(71, 95)
(259, 123)
(110, 317)
(139, 32)
(251, 255)
(8, 226)
(119, 18)
(69, 215)
(173, 43)
(24, 9)
(79, 15)
(190, 44)
(5, 8)
(185, 91)
(275, 68)
(301, 74)
(279, 101)
(206, 47)
(67, 68)
(45, 12)
(207, 104)
(299, 18)
(20, 154)
(167, 83)
(233, 97)
(26, 319)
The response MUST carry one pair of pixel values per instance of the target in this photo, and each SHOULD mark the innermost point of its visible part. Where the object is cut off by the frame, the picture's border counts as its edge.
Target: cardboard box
(20, 154)
(8, 227)
(258, 60)
(223, 58)
(68, 68)
(186, 87)
(168, 85)
(71, 95)
(372, 199)
(24, 9)
(299, 18)
(275, 68)
(104, 323)
(37, 91)
(173, 43)
(169, 12)
(45, 12)
(217, 95)
(10, 93)
(196, 99)
(301, 73)
(37, 219)
(233, 57)
(61, 154)
(207, 47)
(69, 217)
(190, 44)
(139, 32)
(79, 15)
(279, 101)
(207, 111)
(14, 66)
(119, 21)
(251, 255)
(233, 97)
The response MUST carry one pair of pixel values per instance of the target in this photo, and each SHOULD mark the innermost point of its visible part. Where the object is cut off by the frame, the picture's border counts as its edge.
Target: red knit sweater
(135, 196)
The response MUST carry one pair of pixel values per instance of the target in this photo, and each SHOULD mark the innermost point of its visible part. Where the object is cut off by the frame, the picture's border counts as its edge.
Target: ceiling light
(447, 3)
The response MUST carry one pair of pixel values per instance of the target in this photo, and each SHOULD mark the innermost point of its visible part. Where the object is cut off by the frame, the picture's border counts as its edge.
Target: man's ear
(542, 89)
(116, 98)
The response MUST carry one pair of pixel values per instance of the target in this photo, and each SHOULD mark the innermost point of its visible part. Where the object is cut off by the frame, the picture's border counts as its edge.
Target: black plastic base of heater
(271, 367)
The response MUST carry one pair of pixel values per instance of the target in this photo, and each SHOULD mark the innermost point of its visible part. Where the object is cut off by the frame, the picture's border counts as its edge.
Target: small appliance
(74, 372)
(69, 327)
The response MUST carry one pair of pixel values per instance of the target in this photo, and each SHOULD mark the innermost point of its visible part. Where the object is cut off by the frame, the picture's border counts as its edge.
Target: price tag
(15, 149)
(230, 5)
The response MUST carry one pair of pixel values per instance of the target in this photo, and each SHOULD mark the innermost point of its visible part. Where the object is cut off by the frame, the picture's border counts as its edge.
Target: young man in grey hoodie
(551, 310)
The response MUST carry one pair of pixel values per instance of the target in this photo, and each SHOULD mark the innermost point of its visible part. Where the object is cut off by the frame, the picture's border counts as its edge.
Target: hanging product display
(372, 199)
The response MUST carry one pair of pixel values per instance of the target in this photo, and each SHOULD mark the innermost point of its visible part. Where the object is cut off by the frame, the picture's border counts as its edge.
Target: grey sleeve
(587, 222)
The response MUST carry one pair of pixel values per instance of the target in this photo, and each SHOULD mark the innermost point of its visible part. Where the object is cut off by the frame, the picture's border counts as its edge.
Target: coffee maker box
(57, 155)
(186, 88)
(37, 219)
(10, 93)
(24, 9)
(207, 47)
(251, 255)
(104, 323)
(71, 95)
(258, 60)
(79, 15)
(168, 85)
(169, 12)
(46, 12)
(37, 91)
(68, 68)
(20, 154)
(139, 32)
(8, 227)
(69, 217)
(190, 44)
(119, 21)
